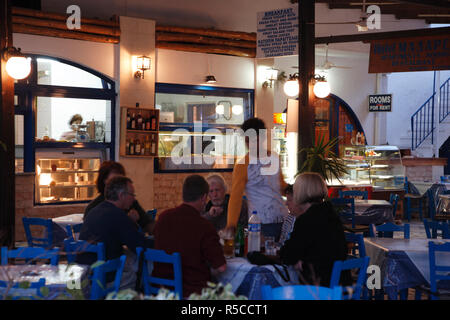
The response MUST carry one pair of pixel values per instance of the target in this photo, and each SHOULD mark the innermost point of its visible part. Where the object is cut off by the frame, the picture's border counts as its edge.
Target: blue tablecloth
(370, 212)
(247, 279)
(404, 263)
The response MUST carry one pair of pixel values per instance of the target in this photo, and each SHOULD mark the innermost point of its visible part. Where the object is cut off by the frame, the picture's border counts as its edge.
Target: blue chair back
(437, 272)
(353, 193)
(73, 229)
(30, 254)
(445, 179)
(361, 264)
(15, 292)
(387, 230)
(344, 202)
(358, 240)
(36, 241)
(152, 213)
(72, 248)
(99, 288)
(159, 256)
(301, 292)
(432, 227)
(393, 199)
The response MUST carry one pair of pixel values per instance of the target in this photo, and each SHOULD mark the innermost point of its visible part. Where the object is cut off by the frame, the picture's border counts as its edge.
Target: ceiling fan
(327, 65)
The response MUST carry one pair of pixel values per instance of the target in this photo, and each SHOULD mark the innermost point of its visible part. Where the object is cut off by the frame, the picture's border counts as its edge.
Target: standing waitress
(262, 183)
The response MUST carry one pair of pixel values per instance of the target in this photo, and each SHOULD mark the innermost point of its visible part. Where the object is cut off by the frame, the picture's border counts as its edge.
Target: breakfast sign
(410, 54)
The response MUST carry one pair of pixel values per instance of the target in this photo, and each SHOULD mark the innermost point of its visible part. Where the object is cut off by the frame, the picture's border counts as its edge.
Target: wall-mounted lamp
(142, 64)
(210, 79)
(271, 75)
(291, 87)
(18, 66)
(321, 87)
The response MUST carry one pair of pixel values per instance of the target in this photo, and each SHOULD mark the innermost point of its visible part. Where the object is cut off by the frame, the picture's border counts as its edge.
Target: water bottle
(254, 232)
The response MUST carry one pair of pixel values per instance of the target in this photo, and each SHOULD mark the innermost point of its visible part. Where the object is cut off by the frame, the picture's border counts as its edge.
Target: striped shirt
(286, 228)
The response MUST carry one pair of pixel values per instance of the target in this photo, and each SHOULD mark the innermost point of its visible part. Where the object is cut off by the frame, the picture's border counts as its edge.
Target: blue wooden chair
(437, 273)
(393, 199)
(30, 255)
(15, 292)
(159, 256)
(358, 244)
(35, 241)
(408, 199)
(387, 230)
(353, 292)
(445, 179)
(72, 248)
(353, 193)
(343, 203)
(301, 292)
(432, 227)
(72, 230)
(100, 288)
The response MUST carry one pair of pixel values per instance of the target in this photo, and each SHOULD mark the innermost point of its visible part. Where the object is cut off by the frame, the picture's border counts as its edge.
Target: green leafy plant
(322, 160)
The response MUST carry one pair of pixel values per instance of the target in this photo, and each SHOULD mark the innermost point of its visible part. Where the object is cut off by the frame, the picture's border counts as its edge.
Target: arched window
(46, 101)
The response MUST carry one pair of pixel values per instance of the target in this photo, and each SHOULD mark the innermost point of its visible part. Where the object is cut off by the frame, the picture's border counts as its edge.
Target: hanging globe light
(321, 87)
(17, 66)
(291, 87)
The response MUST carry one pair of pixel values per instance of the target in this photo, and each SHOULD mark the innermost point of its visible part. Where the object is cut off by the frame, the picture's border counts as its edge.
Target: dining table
(403, 263)
(371, 212)
(62, 279)
(60, 224)
(247, 279)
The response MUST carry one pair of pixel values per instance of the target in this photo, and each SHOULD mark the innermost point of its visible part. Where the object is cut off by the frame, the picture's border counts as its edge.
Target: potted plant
(323, 160)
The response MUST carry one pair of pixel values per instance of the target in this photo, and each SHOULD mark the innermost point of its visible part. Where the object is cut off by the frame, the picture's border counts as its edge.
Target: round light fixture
(322, 89)
(291, 88)
(237, 109)
(220, 109)
(18, 67)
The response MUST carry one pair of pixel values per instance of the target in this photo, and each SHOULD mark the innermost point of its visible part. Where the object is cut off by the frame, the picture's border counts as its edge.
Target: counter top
(408, 162)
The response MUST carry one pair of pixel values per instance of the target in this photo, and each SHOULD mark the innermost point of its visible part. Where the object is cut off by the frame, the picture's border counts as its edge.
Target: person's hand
(133, 215)
(215, 211)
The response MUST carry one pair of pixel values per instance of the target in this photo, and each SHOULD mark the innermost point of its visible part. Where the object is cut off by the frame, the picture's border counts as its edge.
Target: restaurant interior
(140, 82)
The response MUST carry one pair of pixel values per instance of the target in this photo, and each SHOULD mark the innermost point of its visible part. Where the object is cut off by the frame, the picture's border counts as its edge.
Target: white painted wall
(191, 68)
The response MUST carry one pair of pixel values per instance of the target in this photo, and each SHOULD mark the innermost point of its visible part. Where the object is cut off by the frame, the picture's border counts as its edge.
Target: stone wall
(25, 205)
(168, 188)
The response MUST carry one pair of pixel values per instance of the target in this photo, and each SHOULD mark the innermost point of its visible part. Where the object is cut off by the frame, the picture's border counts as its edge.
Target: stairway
(424, 121)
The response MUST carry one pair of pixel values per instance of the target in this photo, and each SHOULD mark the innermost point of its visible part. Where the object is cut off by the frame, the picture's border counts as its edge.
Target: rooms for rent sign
(410, 54)
(380, 102)
(277, 33)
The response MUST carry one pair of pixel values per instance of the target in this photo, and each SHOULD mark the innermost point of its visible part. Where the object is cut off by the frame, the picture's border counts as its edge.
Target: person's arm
(212, 250)
(238, 182)
(128, 234)
(283, 184)
(294, 249)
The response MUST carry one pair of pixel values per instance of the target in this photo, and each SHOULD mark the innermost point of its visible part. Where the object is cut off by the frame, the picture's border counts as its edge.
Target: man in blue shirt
(108, 223)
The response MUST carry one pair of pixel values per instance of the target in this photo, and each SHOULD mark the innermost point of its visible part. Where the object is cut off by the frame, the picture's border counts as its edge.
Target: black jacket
(318, 240)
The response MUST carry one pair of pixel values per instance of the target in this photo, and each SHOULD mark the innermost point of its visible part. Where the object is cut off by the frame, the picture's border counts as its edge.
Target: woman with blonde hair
(318, 238)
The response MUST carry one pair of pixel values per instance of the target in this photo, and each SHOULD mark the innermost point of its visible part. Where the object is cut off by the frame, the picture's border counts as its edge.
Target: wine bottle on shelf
(147, 146)
(127, 148)
(153, 122)
(131, 147)
(139, 121)
(142, 148)
(128, 120)
(137, 149)
(153, 151)
(133, 121)
(147, 124)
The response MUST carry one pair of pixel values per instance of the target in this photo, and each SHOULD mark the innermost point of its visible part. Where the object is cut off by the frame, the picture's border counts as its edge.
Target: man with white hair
(216, 209)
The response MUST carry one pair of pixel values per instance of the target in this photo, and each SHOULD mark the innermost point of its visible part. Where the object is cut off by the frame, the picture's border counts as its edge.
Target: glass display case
(215, 148)
(379, 166)
(66, 176)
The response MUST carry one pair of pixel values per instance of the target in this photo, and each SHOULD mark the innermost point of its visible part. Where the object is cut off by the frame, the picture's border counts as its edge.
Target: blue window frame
(181, 105)
(54, 79)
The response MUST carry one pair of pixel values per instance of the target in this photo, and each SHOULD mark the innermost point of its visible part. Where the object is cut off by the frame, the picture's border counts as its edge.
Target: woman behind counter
(109, 169)
(318, 238)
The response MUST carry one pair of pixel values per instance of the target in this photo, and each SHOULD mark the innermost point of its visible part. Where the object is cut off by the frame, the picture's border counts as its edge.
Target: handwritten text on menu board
(277, 33)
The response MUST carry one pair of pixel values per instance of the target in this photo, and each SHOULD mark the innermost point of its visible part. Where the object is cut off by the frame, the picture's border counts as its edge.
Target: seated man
(109, 223)
(184, 230)
(216, 209)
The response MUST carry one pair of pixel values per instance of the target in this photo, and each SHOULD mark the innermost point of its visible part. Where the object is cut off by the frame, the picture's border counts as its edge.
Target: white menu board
(277, 33)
